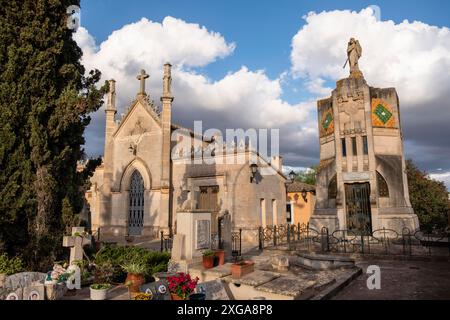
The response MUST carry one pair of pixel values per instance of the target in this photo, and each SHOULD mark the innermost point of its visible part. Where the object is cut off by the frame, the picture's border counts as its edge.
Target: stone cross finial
(141, 77)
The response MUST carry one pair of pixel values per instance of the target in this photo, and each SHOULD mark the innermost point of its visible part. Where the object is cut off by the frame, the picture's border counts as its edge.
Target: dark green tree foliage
(45, 102)
(429, 198)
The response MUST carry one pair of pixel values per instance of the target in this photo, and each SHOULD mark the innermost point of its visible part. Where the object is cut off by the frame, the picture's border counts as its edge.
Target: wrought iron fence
(166, 242)
(381, 241)
(236, 244)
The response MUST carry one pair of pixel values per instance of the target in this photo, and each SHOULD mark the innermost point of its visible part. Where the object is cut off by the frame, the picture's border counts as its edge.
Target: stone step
(321, 262)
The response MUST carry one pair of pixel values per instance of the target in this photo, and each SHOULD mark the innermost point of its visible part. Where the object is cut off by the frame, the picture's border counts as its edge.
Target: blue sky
(264, 34)
(262, 29)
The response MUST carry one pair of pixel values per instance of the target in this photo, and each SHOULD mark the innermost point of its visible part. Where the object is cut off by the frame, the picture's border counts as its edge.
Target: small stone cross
(141, 77)
(75, 242)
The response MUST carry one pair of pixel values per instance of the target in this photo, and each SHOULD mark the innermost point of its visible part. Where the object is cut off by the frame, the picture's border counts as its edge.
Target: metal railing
(380, 241)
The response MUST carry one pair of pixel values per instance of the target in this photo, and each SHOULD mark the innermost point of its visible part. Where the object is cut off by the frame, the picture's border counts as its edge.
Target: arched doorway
(136, 205)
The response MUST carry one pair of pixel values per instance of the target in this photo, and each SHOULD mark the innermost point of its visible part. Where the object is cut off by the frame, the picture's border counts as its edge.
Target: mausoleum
(361, 182)
(153, 169)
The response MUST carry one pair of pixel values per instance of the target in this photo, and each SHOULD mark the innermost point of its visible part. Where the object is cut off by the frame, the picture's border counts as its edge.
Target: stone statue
(354, 52)
(167, 85)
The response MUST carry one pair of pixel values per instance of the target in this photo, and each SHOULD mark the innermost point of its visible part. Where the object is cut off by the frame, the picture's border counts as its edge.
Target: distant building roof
(299, 187)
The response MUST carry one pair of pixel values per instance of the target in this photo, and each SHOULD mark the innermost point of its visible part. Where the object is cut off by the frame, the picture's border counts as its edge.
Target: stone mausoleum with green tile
(361, 181)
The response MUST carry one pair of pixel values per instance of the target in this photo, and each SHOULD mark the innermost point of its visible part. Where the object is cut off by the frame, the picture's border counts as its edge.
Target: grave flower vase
(240, 269)
(176, 297)
(134, 281)
(220, 255)
(208, 262)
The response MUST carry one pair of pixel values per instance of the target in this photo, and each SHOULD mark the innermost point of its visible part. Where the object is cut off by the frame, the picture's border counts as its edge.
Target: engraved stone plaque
(203, 234)
(355, 176)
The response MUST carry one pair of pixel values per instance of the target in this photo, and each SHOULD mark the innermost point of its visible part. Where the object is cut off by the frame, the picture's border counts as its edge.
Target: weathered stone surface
(214, 290)
(280, 263)
(288, 285)
(254, 279)
(23, 279)
(55, 291)
(177, 247)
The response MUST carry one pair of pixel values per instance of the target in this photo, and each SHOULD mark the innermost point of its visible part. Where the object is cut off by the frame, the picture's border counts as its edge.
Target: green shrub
(10, 266)
(119, 256)
(208, 253)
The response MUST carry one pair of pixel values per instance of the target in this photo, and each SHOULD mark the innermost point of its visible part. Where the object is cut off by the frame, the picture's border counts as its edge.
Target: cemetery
(168, 213)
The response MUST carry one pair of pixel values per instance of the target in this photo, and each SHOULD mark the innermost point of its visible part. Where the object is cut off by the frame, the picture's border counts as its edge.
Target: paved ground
(402, 280)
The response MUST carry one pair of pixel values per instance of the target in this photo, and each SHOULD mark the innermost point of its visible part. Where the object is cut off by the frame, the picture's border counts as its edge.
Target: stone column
(166, 167)
(105, 197)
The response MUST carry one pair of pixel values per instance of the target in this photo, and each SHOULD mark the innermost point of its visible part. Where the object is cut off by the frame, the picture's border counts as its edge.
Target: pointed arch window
(136, 205)
(383, 189)
(332, 188)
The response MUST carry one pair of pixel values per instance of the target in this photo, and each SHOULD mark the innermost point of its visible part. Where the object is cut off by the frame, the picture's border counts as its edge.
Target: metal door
(359, 218)
(136, 210)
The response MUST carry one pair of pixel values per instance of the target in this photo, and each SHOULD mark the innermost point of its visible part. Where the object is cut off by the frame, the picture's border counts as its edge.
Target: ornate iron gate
(359, 218)
(136, 211)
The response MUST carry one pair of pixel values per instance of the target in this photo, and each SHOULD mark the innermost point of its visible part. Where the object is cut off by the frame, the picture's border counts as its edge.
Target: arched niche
(141, 167)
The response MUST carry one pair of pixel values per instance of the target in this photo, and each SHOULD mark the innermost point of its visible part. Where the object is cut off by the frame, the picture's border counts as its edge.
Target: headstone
(214, 290)
(34, 292)
(177, 247)
(6, 294)
(158, 290)
(75, 242)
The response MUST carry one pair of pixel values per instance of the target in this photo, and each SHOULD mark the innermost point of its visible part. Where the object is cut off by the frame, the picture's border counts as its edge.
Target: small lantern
(292, 175)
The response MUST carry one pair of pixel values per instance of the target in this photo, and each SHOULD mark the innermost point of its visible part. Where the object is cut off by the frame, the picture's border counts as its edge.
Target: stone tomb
(214, 290)
(24, 286)
(192, 238)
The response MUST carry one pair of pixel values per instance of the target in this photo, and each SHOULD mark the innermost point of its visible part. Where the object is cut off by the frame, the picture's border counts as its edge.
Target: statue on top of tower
(354, 53)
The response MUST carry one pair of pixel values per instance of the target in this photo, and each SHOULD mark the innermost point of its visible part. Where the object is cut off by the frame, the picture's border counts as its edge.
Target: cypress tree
(45, 101)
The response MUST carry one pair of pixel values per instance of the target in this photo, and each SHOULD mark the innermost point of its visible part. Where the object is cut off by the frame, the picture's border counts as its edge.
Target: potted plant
(99, 291)
(181, 286)
(241, 268)
(135, 275)
(220, 256)
(208, 259)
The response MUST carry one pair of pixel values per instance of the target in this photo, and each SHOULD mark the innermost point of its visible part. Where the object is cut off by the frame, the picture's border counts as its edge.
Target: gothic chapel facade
(139, 187)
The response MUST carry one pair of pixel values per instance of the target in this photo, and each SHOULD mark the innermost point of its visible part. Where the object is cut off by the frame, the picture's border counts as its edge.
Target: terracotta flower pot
(176, 297)
(134, 281)
(220, 255)
(240, 269)
(208, 262)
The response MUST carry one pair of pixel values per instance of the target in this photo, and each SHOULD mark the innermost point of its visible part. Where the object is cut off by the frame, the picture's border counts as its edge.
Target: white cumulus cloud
(242, 99)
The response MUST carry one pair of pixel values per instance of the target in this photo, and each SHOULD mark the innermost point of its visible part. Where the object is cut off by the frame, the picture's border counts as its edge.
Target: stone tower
(361, 181)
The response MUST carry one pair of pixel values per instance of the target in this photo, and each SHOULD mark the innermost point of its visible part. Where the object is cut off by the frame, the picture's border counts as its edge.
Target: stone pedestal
(192, 238)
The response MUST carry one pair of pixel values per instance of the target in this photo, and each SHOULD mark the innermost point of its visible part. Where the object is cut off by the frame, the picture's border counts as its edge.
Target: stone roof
(297, 186)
